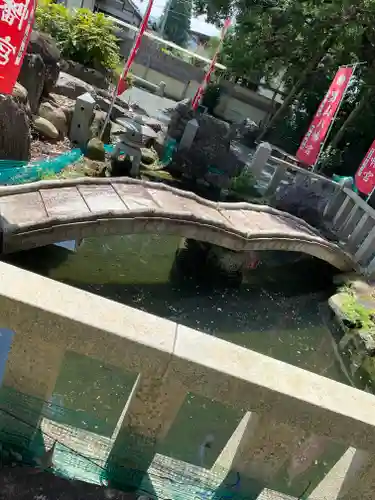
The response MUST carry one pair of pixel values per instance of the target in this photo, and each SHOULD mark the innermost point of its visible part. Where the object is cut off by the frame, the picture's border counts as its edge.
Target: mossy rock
(159, 176)
(92, 168)
(356, 314)
(150, 159)
(365, 375)
(354, 311)
(95, 150)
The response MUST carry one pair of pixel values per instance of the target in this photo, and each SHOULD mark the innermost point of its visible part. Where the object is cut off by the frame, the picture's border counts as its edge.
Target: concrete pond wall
(286, 427)
(353, 308)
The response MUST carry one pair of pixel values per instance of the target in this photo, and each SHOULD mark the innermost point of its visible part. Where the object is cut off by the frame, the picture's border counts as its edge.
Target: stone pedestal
(30, 375)
(150, 412)
(189, 134)
(359, 481)
(260, 158)
(264, 453)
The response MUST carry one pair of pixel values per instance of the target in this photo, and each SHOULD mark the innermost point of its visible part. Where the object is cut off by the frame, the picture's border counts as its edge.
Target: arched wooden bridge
(45, 212)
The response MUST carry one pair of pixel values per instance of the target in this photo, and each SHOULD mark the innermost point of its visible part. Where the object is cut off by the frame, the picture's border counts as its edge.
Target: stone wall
(151, 56)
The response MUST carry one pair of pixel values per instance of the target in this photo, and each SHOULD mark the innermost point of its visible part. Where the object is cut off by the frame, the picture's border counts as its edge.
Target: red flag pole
(121, 84)
(16, 22)
(198, 95)
(354, 66)
(320, 126)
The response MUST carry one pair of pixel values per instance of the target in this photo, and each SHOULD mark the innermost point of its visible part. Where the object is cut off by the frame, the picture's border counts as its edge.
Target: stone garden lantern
(131, 138)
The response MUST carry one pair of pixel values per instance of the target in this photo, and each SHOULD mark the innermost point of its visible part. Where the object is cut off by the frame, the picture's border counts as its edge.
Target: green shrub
(92, 41)
(116, 75)
(244, 183)
(82, 36)
(54, 19)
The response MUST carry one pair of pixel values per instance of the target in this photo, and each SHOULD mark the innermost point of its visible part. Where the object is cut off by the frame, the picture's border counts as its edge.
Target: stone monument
(208, 159)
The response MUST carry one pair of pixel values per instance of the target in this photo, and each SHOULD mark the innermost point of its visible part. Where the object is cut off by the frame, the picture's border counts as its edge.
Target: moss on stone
(354, 311)
(354, 306)
(158, 175)
(367, 372)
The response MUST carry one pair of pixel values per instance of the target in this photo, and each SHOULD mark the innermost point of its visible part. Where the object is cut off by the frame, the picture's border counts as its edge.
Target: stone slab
(22, 209)
(136, 197)
(64, 201)
(185, 205)
(101, 198)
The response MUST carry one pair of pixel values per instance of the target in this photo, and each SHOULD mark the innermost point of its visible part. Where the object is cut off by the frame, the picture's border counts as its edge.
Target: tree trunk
(352, 116)
(297, 87)
(271, 112)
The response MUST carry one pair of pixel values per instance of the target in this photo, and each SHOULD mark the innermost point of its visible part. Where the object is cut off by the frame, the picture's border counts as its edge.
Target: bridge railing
(284, 171)
(353, 222)
(350, 218)
(270, 424)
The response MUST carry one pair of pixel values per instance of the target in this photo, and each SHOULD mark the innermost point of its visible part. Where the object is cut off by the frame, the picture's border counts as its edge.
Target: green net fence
(18, 172)
(30, 426)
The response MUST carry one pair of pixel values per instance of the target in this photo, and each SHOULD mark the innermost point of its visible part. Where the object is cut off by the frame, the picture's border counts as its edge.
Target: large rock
(32, 77)
(209, 158)
(119, 109)
(246, 132)
(55, 115)
(91, 168)
(305, 200)
(20, 93)
(180, 115)
(95, 150)
(45, 46)
(66, 104)
(71, 87)
(15, 130)
(89, 75)
(45, 128)
(212, 140)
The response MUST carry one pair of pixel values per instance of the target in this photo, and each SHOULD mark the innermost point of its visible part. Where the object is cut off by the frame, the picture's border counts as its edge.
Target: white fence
(349, 217)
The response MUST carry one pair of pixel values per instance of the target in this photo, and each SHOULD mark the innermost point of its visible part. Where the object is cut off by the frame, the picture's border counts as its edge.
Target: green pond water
(277, 311)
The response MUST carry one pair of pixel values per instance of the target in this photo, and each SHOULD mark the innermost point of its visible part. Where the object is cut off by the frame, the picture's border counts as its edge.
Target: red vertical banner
(311, 144)
(365, 175)
(121, 87)
(199, 93)
(16, 20)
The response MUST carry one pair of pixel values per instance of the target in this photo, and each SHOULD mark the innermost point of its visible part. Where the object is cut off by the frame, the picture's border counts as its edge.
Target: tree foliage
(177, 22)
(82, 36)
(306, 41)
(212, 45)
